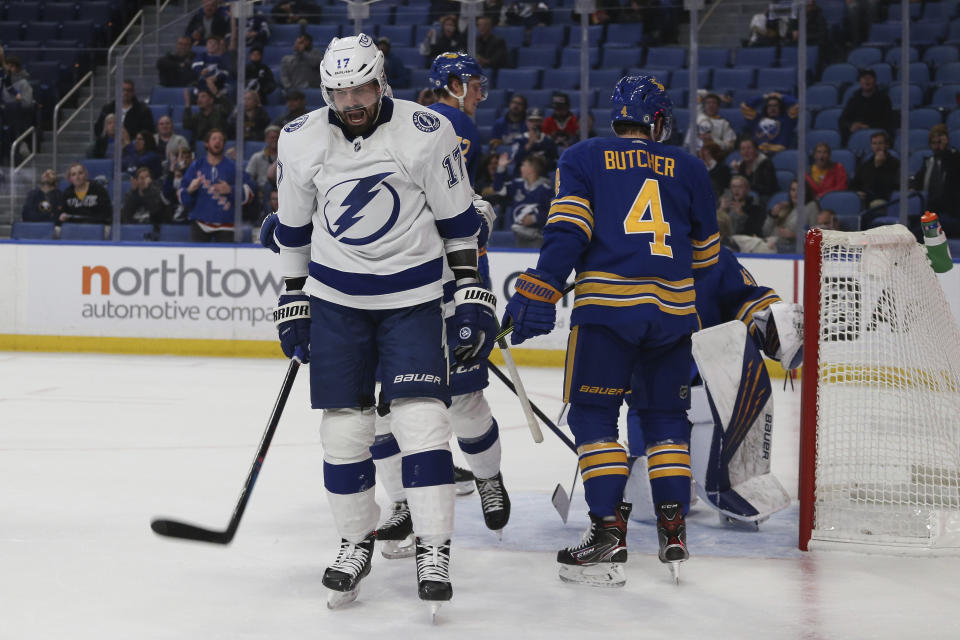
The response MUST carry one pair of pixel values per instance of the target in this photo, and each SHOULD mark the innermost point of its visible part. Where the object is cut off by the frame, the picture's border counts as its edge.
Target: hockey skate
(433, 575)
(396, 533)
(672, 532)
(495, 503)
(344, 575)
(463, 479)
(598, 559)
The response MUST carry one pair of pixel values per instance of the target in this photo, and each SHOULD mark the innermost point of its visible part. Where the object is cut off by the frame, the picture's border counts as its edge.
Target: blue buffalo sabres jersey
(466, 130)
(729, 292)
(637, 221)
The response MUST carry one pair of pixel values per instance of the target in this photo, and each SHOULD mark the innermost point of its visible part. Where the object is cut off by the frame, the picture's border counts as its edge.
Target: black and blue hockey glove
(292, 317)
(267, 227)
(533, 308)
(475, 322)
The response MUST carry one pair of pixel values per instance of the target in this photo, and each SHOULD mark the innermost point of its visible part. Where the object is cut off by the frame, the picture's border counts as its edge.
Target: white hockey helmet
(351, 62)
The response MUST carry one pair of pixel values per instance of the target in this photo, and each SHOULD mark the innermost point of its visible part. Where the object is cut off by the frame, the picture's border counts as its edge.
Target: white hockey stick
(521, 392)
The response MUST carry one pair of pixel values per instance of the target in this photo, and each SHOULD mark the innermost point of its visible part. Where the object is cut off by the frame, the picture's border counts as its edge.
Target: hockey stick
(520, 391)
(536, 410)
(185, 531)
(561, 499)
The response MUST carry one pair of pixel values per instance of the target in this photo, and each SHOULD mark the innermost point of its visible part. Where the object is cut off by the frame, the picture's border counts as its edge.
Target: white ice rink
(94, 446)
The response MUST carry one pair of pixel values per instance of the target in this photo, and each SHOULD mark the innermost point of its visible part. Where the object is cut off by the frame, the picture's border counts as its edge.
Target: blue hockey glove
(475, 322)
(533, 308)
(267, 227)
(292, 317)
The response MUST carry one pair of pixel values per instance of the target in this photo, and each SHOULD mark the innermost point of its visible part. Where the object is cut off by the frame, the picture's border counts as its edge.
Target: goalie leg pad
(477, 433)
(349, 474)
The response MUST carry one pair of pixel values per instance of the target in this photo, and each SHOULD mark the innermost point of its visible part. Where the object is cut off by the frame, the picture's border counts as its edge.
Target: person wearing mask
(535, 142)
(527, 199)
(825, 175)
(44, 203)
(213, 69)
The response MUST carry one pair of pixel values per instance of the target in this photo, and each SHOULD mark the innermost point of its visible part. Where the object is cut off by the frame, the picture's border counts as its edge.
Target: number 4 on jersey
(637, 220)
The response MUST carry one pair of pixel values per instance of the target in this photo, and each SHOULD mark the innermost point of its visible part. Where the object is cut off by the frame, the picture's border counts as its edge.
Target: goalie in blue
(636, 219)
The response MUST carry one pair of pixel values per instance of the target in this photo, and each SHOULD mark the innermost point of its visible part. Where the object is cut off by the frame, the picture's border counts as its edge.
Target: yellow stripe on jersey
(666, 472)
(558, 217)
(605, 471)
(604, 275)
(631, 302)
(701, 244)
(613, 457)
(586, 288)
(668, 458)
(576, 199)
(706, 252)
(602, 459)
(669, 447)
(751, 307)
(559, 206)
(597, 446)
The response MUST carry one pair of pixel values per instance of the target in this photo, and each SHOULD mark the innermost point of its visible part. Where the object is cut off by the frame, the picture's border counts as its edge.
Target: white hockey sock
(389, 477)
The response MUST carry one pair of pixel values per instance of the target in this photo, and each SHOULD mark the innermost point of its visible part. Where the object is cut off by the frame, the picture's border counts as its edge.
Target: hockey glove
(475, 322)
(485, 209)
(533, 308)
(781, 328)
(292, 317)
(267, 227)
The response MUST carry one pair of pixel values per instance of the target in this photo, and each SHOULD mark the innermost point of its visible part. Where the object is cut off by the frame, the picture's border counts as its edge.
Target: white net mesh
(888, 399)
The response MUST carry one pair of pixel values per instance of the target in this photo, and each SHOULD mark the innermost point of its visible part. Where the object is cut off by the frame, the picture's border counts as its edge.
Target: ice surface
(94, 446)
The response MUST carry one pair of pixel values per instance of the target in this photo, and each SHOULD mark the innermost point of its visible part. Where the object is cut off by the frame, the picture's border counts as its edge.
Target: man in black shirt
(491, 50)
(175, 68)
(879, 175)
(939, 177)
(867, 108)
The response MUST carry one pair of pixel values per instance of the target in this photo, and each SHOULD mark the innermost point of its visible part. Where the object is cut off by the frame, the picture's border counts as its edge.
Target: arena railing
(58, 127)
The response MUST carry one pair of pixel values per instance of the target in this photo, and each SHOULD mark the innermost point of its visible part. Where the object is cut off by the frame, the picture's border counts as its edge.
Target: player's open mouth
(356, 116)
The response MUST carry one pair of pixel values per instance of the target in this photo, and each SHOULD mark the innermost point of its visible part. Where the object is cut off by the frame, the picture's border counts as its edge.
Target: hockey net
(880, 434)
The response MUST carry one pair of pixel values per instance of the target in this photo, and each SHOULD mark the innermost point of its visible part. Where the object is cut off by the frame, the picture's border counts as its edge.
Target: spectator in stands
(176, 67)
(168, 142)
(757, 168)
(440, 9)
(746, 214)
(818, 33)
(486, 174)
(528, 14)
(44, 203)
(603, 13)
(256, 31)
(712, 156)
(301, 69)
(398, 75)
(491, 49)
(259, 76)
(426, 97)
(85, 201)
(144, 203)
(136, 115)
(208, 194)
(827, 220)
(208, 116)
(511, 125)
(209, 20)
(868, 108)
(527, 197)
(939, 177)
(712, 127)
(738, 242)
(772, 127)
(255, 118)
(562, 119)
(296, 11)
(171, 183)
(535, 142)
(860, 14)
(296, 107)
(100, 147)
(780, 227)
(18, 108)
(879, 175)
(450, 38)
(142, 152)
(262, 161)
(768, 29)
(214, 70)
(825, 175)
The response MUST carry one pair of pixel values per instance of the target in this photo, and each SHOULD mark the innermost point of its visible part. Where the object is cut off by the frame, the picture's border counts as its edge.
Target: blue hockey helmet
(457, 64)
(641, 100)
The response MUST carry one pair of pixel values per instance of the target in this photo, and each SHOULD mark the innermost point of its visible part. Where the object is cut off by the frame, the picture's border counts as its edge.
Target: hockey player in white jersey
(373, 200)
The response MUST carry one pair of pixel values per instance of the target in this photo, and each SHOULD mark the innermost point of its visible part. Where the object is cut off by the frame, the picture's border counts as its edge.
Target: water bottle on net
(938, 251)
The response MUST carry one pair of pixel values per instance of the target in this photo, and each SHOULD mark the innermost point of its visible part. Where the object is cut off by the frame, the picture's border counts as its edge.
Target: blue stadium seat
(947, 73)
(884, 73)
(916, 160)
(821, 96)
(859, 142)
(616, 58)
(594, 36)
(915, 96)
(784, 78)
(335, 14)
(166, 95)
(839, 74)
(284, 34)
(919, 74)
(784, 178)
(513, 36)
(925, 34)
(605, 79)
(728, 79)
(847, 159)
(380, 13)
(83, 31)
(410, 56)
(314, 98)
(44, 31)
(735, 117)
(666, 57)
(864, 56)
(562, 79)
(552, 35)
(98, 166)
(159, 110)
(681, 78)
(539, 57)
(419, 78)
(496, 98)
(570, 56)
(785, 160)
(400, 35)
(924, 118)
(134, 232)
(953, 34)
(322, 34)
(23, 11)
(789, 57)
(945, 96)
(848, 222)
(885, 33)
(32, 231)
(915, 202)
(841, 202)
(953, 120)
(623, 35)
(893, 56)
(777, 198)
(713, 57)
(485, 117)
(756, 57)
(938, 11)
(174, 233)
(816, 136)
(273, 55)
(679, 95)
(682, 118)
(83, 232)
(538, 97)
(917, 139)
(11, 31)
(514, 79)
(412, 15)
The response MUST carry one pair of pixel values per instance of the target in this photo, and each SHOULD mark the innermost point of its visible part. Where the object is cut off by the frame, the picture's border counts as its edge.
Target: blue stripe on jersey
(344, 479)
(293, 236)
(384, 446)
(427, 468)
(463, 225)
(370, 284)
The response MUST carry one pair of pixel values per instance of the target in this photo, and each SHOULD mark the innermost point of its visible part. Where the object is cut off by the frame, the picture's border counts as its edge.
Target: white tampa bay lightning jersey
(374, 210)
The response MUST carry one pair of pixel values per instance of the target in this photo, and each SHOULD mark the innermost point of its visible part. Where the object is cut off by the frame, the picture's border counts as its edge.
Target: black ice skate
(598, 559)
(433, 574)
(463, 479)
(495, 502)
(344, 575)
(396, 533)
(672, 531)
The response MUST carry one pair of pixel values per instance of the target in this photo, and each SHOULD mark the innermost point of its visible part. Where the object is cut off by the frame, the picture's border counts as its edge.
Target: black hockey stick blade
(184, 531)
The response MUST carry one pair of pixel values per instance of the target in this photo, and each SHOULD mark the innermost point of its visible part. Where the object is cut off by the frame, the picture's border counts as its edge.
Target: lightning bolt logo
(359, 197)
